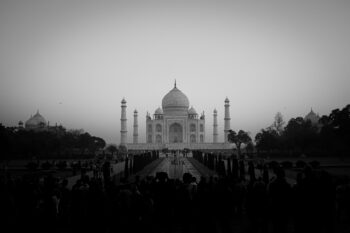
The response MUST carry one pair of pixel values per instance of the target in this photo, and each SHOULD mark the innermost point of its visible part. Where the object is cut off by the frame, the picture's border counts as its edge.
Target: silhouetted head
(280, 173)
(64, 183)
(326, 177)
(162, 177)
(194, 179)
(307, 171)
(299, 177)
(187, 177)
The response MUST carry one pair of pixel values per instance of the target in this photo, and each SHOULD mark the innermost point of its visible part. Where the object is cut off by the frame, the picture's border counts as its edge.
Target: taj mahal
(175, 126)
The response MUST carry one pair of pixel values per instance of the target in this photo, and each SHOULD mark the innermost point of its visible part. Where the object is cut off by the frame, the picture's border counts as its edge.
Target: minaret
(227, 119)
(123, 129)
(215, 127)
(136, 134)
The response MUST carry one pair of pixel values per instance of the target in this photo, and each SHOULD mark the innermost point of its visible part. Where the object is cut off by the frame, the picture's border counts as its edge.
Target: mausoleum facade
(175, 125)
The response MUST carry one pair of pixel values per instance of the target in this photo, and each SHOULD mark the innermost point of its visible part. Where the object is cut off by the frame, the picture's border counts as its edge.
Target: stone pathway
(117, 168)
(176, 167)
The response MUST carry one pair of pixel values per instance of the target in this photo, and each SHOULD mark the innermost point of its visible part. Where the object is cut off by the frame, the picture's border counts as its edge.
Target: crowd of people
(315, 203)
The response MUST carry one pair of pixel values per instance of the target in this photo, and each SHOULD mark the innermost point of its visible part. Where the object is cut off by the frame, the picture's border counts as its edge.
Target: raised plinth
(180, 146)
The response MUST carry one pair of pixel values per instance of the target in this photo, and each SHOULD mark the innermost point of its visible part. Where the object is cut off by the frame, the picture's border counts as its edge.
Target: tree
(99, 142)
(6, 141)
(50, 143)
(238, 139)
(123, 150)
(165, 150)
(267, 140)
(112, 149)
(84, 142)
(300, 135)
(278, 123)
(249, 148)
(335, 131)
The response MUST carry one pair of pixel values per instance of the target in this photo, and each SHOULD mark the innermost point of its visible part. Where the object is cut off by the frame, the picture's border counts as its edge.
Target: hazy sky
(76, 60)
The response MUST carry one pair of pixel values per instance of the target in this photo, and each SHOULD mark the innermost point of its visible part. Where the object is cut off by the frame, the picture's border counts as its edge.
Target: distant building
(313, 117)
(36, 122)
(175, 126)
(176, 122)
(39, 123)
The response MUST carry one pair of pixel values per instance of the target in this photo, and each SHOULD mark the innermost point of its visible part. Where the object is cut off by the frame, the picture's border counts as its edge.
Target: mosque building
(37, 123)
(313, 117)
(175, 125)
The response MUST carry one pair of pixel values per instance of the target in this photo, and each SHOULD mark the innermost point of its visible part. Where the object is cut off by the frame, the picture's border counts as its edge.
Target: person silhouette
(279, 192)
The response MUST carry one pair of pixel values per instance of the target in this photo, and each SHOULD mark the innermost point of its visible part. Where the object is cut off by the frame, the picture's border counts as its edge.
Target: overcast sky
(76, 60)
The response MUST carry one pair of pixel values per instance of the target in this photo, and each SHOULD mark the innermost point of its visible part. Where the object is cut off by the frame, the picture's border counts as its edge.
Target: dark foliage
(238, 139)
(46, 166)
(32, 166)
(61, 165)
(300, 164)
(329, 137)
(47, 144)
(274, 164)
(287, 164)
(315, 164)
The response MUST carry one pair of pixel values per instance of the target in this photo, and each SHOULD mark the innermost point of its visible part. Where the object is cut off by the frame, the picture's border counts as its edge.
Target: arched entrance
(175, 133)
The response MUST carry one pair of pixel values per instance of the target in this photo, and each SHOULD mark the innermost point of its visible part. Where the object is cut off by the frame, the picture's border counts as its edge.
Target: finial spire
(175, 83)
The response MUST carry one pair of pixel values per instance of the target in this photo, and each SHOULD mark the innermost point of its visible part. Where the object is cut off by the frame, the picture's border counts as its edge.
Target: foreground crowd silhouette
(228, 203)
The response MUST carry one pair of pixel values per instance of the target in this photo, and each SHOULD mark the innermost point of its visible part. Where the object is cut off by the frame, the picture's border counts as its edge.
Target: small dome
(313, 117)
(215, 111)
(20, 123)
(175, 99)
(227, 100)
(158, 111)
(36, 121)
(123, 101)
(192, 111)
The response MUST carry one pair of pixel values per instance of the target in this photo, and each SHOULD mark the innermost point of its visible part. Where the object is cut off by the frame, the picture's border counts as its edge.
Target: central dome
(36, 121)
(175, 99)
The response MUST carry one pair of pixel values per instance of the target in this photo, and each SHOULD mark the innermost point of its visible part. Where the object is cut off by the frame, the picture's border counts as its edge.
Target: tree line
(58, 143)
(329, 137)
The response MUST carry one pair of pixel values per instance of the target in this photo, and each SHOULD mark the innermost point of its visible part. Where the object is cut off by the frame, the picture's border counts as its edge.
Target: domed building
(174, 125)
(36, 122)
(175, 122)
(313, 117)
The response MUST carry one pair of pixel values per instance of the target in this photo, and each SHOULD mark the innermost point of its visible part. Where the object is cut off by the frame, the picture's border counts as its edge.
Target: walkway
(117, 168)
(176, 167)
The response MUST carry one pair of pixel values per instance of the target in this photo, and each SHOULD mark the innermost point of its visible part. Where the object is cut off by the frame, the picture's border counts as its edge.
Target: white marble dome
(313, 117)
(175, 99)
(158, 111)
(35, 121)
(192, 111)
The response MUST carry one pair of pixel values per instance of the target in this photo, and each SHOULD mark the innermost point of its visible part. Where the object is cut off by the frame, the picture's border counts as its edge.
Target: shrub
(315, 164)
(300, 164)
(274, 164)
(259, 166)
(46, 165)
(287, 164)
(62, 165)
(32, 166)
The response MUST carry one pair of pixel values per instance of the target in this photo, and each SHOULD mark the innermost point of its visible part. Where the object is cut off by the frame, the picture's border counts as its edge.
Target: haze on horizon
(76, 60)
